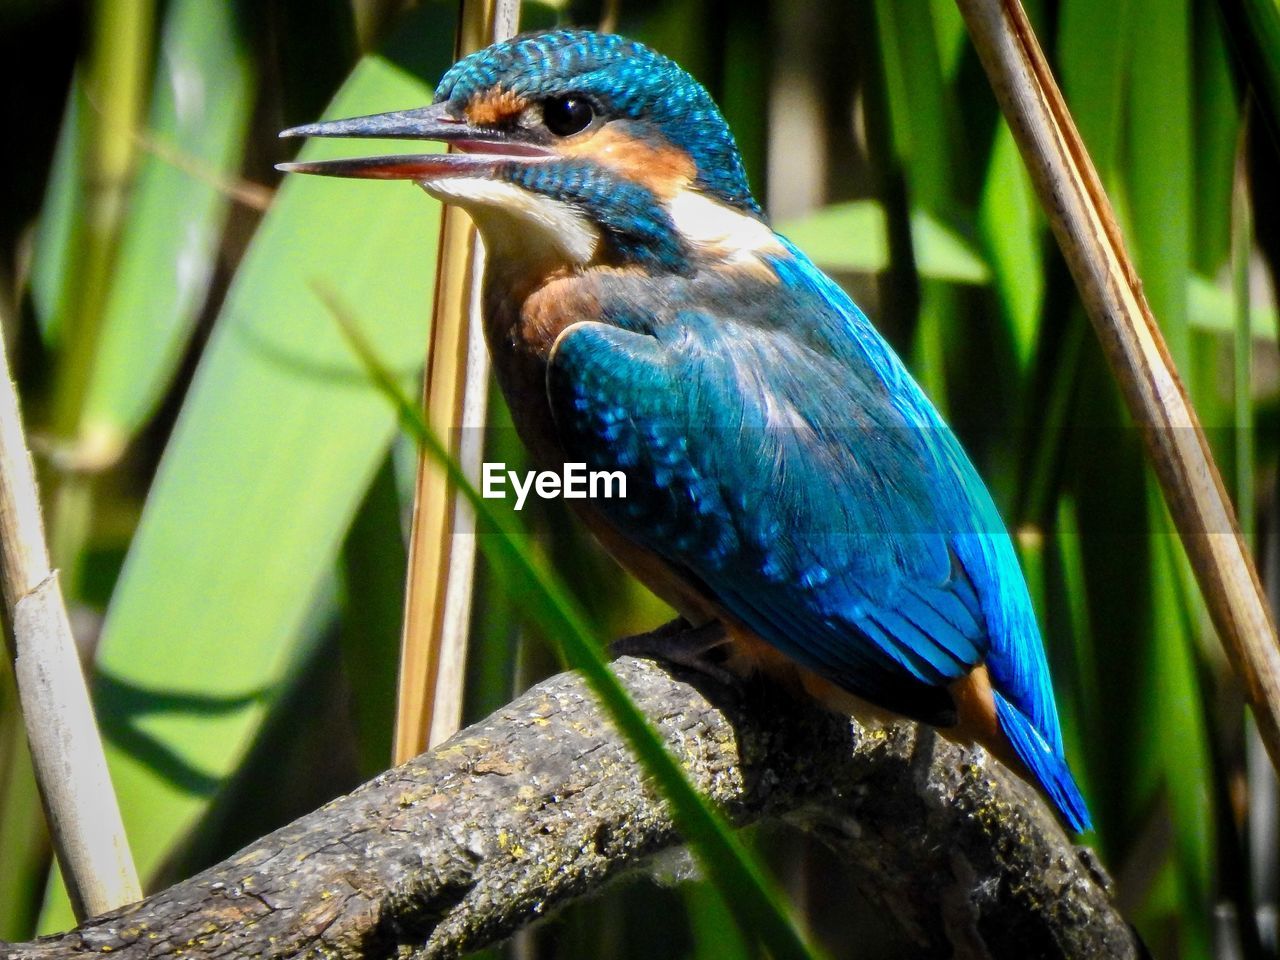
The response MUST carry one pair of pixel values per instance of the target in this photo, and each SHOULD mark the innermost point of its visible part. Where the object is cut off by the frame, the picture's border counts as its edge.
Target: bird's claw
(682, 645)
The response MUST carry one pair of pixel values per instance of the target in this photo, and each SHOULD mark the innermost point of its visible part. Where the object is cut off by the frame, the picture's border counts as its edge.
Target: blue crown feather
(628, 80)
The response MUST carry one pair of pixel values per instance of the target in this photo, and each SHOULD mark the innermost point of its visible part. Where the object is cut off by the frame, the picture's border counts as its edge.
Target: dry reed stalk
(442, 551)
(66, 751)
(1084, 223)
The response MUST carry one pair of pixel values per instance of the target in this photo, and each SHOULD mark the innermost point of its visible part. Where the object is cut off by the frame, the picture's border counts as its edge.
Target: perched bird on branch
(787, 478)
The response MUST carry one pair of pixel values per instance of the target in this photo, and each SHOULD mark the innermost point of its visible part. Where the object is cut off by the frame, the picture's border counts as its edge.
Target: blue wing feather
(763, 509)
(1016, 658)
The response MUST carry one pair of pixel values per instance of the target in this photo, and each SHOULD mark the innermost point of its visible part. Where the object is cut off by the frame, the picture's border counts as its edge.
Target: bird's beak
(479, 150)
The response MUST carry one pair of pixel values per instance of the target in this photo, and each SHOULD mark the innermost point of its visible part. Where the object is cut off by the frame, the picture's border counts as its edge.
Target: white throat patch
(721, 230)
(519, 225)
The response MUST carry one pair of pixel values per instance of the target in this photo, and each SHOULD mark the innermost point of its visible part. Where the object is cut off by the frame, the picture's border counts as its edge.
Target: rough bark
(541, 803)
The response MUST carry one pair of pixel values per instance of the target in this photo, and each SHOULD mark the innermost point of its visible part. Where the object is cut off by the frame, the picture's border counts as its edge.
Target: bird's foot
(678, 643)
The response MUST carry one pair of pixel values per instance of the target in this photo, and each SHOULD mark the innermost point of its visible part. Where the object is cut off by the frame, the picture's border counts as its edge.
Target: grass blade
(1212, 309)
(1242, 353)
(1217, 118)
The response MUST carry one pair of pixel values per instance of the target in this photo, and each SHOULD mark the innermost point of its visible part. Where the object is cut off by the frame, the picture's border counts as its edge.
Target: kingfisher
(787, 479)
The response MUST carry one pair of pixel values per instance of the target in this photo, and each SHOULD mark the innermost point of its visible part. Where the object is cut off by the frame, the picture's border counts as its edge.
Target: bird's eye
(565, 116)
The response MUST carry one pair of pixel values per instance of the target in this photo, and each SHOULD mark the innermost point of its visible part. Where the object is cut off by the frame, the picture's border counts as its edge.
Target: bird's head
(573, 148)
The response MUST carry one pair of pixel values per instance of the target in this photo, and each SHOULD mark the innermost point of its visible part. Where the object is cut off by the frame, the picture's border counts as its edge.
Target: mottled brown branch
(541, 803)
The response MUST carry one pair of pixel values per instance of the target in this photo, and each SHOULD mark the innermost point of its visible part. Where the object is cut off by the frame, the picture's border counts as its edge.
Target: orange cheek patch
(492, 107)
(662, 168)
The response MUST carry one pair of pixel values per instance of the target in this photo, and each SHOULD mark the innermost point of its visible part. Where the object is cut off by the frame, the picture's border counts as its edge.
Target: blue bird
(786, 475)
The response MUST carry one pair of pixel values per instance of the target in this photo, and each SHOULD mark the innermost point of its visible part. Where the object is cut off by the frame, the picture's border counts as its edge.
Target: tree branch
(542, 803)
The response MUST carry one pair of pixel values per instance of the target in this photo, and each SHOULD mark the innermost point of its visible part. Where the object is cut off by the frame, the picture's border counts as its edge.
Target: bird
(788, 479)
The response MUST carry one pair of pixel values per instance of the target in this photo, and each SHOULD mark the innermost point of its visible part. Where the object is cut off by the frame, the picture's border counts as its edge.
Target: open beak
(479, 150)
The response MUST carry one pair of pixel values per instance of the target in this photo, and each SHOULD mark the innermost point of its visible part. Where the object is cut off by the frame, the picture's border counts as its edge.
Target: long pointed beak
(479, 150)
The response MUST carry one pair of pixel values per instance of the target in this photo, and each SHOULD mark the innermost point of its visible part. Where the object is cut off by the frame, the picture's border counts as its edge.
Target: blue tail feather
(1049, 769)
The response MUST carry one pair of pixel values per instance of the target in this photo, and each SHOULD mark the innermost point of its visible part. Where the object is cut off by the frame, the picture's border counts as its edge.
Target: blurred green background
(226, 493)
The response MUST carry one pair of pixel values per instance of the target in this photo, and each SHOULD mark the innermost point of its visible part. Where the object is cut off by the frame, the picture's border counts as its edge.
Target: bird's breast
(523, 317)
(522, 323)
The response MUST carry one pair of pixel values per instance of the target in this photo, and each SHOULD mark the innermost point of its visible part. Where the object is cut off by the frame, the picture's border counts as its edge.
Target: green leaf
(1254, 26)
(1212, 309)
(926, 141)
(919, 104)
(1182, 735)
(1159, 171)
(853, 237)
(115, 74)
(951, 36)
(277, 442)
(1087, 725)
(24, 841)
(200, 108)
(1242, 420)
(373, 563)
(549, 605)
(60, 228)
(1010, 225)
(1217, 134)
(1094, 49)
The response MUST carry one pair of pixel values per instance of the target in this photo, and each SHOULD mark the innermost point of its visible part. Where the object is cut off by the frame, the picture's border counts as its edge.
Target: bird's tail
(1049, 769)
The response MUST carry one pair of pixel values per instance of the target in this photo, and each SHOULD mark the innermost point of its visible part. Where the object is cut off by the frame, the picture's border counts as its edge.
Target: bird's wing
(960, 500)
(798, 496)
